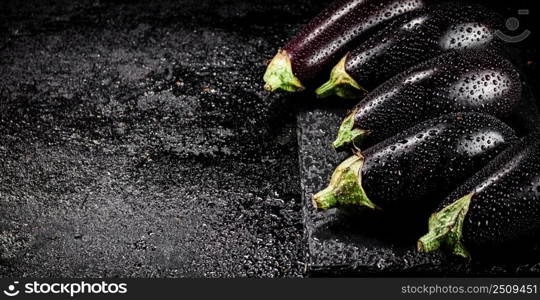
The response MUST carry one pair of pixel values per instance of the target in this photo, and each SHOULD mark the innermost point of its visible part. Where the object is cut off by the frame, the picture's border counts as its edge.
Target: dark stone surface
(136, 140)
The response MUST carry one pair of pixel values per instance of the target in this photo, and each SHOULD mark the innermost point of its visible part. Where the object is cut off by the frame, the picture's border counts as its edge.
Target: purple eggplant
(406, 42)
(458, 81)
(496, 208)
(418, 167)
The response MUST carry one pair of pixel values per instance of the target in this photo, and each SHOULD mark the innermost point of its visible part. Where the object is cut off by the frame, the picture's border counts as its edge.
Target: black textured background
(136, 139)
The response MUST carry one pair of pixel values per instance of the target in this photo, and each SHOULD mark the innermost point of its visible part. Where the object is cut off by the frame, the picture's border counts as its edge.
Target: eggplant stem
(279, 74)
(341, 84)
(345, 188)
(347, 134)
(446, 228)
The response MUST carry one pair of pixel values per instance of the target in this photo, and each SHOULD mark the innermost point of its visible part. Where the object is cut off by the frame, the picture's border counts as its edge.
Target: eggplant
(458, 81)
(419, 37)
(320, 44)
(418, 167)
(498, 206)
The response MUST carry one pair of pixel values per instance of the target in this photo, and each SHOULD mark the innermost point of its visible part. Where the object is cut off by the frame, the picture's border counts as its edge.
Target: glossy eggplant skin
(422, 165)
(421, 37)
(324, 40)
(505, 203)
(459, 81)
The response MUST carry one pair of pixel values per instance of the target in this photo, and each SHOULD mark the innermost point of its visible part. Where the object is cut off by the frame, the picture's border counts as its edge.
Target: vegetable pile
(431, 130)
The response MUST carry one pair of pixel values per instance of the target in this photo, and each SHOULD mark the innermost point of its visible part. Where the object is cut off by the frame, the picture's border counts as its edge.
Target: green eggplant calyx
(341, 84)
(279, 74)
(348, 135)
(446, 228)
(345, 188)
